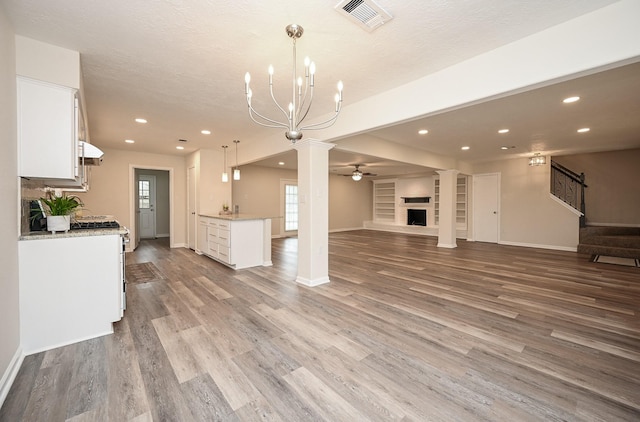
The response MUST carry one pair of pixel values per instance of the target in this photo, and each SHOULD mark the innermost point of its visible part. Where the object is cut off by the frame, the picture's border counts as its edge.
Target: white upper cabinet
(50, 115)
(47, 130)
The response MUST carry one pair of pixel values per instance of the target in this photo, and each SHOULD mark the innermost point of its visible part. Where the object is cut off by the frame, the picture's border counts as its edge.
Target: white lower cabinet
(236, 243)
(70, 289)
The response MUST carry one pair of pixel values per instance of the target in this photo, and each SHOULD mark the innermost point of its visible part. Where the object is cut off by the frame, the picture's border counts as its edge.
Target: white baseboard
(10, 374)
(179, 245)
(447, 245)
(535, 245)
(163, 235)
(312, 283)
(346, 230)
(611, 225)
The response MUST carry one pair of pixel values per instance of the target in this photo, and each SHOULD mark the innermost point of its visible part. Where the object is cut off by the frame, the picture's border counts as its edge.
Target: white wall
(528, 214)
(9, 299)
(211, 192)
(112, 185)
(350, 202)
(258, 192)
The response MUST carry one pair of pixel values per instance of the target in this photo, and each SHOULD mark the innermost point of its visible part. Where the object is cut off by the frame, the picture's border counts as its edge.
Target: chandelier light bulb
(307, 61)
(247, 78)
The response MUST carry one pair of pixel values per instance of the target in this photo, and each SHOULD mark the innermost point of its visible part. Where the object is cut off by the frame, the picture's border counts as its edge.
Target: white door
(191, 180)
(289, 207)
(147, 206)
(486, 207)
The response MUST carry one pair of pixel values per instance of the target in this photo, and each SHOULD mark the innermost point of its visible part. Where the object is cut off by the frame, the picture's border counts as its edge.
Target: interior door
(191, 177)
(486, 188)
(147, 206)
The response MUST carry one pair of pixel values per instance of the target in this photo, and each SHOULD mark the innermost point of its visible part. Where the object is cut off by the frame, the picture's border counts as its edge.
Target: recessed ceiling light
(464, 148)
(503, 131)
(504, 147)
(141, 120)
(570, 100)
(423, 131)
(130, 141)
(179, 147)
(205, 132)
(583, 130)
(281, 163)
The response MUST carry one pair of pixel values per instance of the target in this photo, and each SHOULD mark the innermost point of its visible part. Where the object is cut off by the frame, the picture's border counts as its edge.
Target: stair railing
(564, 185)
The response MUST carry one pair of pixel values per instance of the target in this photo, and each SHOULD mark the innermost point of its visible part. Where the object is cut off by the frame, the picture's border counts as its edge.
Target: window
(290, 207)
(144, 194)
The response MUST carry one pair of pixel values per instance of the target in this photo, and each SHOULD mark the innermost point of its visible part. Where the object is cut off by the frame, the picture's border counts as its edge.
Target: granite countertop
(238, 217)
(73, 233)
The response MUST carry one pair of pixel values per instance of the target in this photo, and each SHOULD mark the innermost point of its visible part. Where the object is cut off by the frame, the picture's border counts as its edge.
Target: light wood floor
(404, 331)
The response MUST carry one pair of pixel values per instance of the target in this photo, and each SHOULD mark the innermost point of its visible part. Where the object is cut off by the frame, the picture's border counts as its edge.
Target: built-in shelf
(461, 202)
(384, 201)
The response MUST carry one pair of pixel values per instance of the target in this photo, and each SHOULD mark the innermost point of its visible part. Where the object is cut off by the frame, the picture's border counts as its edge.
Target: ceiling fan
(357, 174)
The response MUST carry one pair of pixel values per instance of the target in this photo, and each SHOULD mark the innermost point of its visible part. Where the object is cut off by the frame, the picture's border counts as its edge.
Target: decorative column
(447, 224)
(313, 211)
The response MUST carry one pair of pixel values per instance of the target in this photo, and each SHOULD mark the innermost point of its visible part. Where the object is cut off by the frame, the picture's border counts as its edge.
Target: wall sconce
(225, 175)
(537, 160)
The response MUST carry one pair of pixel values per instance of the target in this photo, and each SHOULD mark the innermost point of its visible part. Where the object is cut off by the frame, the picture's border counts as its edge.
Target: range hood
(91, 154)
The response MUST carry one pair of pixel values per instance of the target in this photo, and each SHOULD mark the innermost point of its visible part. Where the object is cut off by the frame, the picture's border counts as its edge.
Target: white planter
(58, 223)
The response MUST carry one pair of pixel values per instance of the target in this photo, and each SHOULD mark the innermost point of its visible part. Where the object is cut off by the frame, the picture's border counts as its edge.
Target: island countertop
(238, 217)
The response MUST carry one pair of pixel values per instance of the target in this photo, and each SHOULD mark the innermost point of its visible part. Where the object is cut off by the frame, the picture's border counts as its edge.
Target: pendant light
(225, 175)
(236, 171)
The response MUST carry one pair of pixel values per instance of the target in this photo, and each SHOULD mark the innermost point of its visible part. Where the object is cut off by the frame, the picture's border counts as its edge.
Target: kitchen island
(236, 240)
(71, 286)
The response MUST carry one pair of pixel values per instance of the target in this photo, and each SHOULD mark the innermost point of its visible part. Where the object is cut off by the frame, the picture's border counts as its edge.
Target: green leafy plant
(62, 205)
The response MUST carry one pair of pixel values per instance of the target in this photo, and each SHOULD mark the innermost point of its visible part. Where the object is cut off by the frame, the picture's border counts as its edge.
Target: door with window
(147, 206)
(289, 207)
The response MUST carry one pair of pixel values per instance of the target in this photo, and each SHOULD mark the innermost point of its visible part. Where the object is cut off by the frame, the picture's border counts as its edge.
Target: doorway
(151, 205)
(289, 207)
(486, 207)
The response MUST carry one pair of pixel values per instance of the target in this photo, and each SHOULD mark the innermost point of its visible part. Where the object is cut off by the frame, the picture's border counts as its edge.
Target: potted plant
(60, 209)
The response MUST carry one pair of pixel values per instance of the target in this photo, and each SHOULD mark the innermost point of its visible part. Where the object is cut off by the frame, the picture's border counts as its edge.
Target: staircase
(621, 242)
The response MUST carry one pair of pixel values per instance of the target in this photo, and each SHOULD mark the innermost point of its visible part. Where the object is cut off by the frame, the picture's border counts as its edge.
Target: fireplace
(416, 217)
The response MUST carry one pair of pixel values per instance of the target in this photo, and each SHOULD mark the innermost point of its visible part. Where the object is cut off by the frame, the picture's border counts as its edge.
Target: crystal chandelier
(302, 97)
(537, 160)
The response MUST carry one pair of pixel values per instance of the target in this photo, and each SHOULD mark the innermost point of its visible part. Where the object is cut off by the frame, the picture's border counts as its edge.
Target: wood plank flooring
(405, 331)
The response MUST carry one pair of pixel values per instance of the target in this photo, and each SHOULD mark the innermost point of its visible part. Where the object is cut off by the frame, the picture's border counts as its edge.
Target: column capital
(310, 142)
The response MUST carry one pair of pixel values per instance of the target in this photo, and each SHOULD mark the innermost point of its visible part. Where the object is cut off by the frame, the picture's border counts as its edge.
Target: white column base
(447, 245)
(312, 283)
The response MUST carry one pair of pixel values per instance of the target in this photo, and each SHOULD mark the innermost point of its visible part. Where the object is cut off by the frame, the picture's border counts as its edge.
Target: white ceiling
(181, 65)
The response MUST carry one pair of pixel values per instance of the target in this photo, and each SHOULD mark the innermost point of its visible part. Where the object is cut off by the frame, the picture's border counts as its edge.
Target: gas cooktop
(95, 222)
(81, 225)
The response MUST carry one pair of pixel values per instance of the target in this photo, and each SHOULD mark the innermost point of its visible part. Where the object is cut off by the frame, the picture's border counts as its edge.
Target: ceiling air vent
(365, 13)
